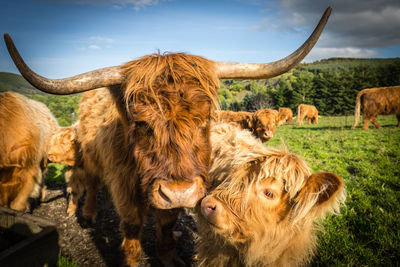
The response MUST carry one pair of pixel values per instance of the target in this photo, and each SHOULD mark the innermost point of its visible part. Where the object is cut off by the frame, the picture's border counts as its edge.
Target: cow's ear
(324, 190)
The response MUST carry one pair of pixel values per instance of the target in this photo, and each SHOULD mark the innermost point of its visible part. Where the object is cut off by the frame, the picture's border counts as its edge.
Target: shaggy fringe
(144, 74)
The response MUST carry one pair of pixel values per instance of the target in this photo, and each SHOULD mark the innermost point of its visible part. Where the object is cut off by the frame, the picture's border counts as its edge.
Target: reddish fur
(308, 112)
(65, 149)
(26, 126)
(377, 101)
(285, 116)
(262, 122)
(153, 128)
(240, 224)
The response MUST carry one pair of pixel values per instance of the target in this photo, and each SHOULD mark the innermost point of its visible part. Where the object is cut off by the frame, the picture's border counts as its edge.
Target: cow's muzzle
(168, 194)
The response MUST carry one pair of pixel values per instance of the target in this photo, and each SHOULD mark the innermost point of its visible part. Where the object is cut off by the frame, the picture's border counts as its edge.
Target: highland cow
(26, 127)
(262, 205)
(285, 116)
(308, 112)
(261, 123)
(147, 135)
(65, 149)
(377, 101)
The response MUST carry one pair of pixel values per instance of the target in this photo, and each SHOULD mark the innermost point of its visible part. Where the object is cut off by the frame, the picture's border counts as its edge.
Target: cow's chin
(177, 194)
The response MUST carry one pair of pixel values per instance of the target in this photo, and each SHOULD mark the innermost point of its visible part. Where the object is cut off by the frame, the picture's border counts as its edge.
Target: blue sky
(60, 38)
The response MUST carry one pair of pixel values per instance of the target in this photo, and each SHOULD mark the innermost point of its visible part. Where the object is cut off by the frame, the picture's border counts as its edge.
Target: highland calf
(25, 129)
(261, 123)
(147, 135)
(65, 149)
(285, 116)
(377, 101)
(262, 205)
(308, 112)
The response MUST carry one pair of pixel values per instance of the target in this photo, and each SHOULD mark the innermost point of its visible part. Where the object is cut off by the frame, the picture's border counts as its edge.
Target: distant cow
(285, 115)
(25, 129)
(377, 101)
(262, 205)
(147, 134)
(65, 149)
(262, 122)
(308, 112)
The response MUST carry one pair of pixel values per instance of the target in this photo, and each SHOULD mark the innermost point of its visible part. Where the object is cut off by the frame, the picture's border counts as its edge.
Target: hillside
(64, 108)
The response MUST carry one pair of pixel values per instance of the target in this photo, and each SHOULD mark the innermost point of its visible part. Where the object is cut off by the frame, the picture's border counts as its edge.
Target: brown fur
(65, 149)
(285, 116)
(377, 101)
(151, 131)
(262, 122)
(308, 112)
(26, 126)
(262, 205)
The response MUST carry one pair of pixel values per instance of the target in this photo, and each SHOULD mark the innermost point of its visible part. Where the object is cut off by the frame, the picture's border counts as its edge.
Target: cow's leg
(398, 120)
(366, 122)
(165, 221)
(27, 177)
(130, 246)
(75, 188)
(309, 120)
(375, 122)
(92, 184)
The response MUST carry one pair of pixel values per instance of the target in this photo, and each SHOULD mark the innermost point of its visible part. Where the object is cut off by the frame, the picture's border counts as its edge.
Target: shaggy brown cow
(377, 101)
(243, 118)
(261, 123)
(264, 122)
(308, 112)
(147, 135)
(65, 149)
(26, 126)
(262, 205)
(285, 116)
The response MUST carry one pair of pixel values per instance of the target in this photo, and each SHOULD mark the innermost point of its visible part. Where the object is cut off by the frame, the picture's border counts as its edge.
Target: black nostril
(211, 208)
(164, 196)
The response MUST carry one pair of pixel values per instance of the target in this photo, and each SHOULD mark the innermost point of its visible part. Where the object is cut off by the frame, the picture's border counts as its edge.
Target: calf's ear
(321, 193)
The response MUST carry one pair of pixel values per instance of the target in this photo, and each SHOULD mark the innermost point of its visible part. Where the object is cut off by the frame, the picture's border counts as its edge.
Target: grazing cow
(243, 118)
(25, 128)
(308, 112)
(285, 116)
(147, 135)
(261, 123)
(377, 101)
(262, 205)
(65, 149)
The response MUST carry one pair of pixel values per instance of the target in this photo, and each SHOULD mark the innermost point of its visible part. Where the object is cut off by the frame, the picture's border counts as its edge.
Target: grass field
(368, 231)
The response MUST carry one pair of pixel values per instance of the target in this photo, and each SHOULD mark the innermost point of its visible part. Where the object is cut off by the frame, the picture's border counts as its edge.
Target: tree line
(331, 85)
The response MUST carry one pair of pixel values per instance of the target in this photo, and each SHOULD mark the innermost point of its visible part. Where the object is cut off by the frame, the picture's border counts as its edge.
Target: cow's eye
(141, 124)
(269, 194)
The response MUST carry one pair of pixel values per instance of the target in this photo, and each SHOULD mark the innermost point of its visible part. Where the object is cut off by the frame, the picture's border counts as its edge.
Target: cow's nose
(210, 207)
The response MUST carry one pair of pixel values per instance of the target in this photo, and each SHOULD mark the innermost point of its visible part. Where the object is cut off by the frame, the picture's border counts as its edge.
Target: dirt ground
(98, 244)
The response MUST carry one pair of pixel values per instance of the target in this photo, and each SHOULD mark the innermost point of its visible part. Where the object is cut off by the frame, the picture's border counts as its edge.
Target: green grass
(368, 231)
(55, 175)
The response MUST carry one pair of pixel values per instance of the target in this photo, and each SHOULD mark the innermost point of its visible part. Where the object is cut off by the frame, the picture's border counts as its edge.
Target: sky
(61, 38)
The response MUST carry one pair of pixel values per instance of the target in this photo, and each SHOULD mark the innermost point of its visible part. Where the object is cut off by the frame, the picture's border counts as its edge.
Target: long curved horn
(233, 70)
(79, 83)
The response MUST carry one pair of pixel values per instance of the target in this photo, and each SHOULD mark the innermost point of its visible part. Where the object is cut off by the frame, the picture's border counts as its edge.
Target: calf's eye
(269, 194)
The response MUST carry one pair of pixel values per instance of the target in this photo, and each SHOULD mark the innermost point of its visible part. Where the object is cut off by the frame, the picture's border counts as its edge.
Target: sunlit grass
(368, 231)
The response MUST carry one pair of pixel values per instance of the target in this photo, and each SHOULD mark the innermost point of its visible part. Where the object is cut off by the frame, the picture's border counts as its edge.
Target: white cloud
(94, 47)
(136, 4)
(101, 39)
(318, 53)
